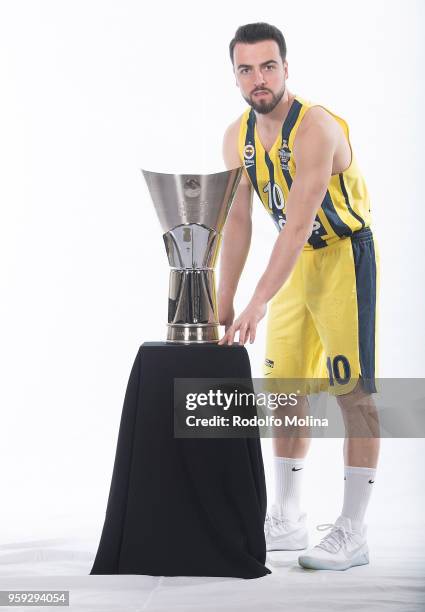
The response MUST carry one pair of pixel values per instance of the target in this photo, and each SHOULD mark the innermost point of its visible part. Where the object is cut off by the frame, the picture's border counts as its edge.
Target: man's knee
(358, 396)
(359, 412)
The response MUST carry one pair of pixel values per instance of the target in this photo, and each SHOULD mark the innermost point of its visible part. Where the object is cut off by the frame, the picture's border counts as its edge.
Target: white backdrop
(92, 91)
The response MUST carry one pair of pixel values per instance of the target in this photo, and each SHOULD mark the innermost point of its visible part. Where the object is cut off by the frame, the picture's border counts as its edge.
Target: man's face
(260, 74)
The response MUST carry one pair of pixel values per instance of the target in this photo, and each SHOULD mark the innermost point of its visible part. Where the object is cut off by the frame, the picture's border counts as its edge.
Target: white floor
(44, 547)
(394, 580)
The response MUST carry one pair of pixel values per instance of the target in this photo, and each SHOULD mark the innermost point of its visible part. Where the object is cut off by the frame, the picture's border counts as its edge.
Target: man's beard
(262, 106)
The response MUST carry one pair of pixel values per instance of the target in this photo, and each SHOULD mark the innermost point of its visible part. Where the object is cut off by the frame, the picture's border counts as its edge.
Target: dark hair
(254, 32)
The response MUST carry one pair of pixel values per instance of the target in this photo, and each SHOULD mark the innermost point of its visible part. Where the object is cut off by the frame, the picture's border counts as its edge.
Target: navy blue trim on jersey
(337, 224)
(276, 213)
(315, 240)
(269, 165)
(250, 139)
(347, 200)
(291, 119)
(365, 269)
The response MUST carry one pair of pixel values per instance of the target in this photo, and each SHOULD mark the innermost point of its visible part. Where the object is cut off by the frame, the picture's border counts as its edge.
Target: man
(321, 279)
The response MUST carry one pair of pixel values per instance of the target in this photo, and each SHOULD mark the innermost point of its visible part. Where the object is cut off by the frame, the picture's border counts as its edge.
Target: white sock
(358, 485)
(288, 477)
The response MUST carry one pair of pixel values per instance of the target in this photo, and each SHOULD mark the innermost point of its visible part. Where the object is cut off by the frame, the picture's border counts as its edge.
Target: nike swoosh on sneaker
(371, 481)
(298, 469)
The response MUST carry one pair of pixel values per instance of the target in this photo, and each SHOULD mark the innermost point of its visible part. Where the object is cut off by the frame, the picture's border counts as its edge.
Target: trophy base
(192, 333)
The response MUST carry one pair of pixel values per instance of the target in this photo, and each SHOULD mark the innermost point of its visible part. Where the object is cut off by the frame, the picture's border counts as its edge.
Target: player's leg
(290, 451)
(346, 319)
(362, 441)
(292, 350)
(361, 451)
(345, 545)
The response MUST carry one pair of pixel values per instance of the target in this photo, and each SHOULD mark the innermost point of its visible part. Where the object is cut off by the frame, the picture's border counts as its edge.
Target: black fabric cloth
(180, 506)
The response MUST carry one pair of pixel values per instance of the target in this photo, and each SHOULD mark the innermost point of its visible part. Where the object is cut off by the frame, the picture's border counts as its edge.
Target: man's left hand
(246, 323)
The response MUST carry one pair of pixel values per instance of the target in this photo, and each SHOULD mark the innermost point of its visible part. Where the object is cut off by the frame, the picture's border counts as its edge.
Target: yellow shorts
(322, 323)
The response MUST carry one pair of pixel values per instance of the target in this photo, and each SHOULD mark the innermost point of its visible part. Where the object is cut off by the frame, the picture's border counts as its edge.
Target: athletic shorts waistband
(363, 235)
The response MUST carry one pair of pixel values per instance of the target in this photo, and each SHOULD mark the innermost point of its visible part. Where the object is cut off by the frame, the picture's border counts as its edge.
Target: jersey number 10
(276, 200)
(275, 196)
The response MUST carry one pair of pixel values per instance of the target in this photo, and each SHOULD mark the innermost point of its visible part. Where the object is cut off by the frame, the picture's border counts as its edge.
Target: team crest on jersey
(248, 154)
(284, 155)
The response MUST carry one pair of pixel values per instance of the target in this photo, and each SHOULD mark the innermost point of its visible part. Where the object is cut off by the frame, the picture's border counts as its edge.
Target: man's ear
(285, 69)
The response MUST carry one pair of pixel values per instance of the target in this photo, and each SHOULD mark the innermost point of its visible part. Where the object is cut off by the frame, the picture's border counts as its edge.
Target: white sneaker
(343, 547)
(283, 534)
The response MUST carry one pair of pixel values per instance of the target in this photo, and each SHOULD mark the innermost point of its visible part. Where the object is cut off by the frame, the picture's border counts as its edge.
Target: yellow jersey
(346, 206)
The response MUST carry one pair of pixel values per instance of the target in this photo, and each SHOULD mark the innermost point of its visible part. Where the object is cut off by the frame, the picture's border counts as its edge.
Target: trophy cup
(192, 210)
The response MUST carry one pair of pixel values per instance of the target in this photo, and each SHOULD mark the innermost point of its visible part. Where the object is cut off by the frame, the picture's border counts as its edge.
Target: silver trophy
(192, 210)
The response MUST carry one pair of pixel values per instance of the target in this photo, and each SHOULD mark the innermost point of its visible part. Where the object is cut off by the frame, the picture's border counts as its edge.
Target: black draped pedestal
(182, 506)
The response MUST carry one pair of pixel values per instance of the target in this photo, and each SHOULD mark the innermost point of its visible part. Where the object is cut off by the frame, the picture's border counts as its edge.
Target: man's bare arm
(237, 231)
(314, 150)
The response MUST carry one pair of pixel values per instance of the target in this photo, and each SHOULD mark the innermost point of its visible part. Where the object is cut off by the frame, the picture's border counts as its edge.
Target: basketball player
(321, 281)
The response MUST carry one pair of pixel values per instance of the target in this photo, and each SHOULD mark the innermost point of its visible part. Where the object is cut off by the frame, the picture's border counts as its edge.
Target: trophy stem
(192, 306)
